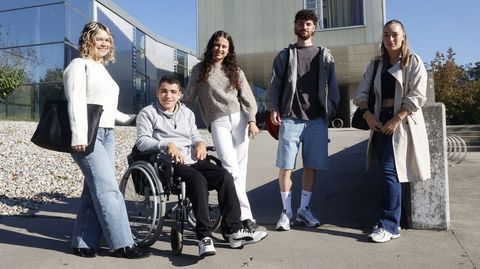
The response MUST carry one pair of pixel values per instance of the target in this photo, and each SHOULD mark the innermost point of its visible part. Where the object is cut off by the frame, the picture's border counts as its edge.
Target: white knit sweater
(92, 85)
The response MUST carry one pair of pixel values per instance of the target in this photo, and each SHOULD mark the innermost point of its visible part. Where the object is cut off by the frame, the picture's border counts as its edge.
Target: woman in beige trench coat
(398, 137)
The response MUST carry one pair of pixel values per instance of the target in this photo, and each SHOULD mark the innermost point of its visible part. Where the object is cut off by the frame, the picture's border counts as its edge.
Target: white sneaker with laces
(306, 216)
(205, 247)
(380, 235)
(245, 236)
(283, 223)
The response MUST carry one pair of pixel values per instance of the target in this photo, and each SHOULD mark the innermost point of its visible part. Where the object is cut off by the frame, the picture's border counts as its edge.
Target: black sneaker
(249, 224)
(132, 252)
(84, 252)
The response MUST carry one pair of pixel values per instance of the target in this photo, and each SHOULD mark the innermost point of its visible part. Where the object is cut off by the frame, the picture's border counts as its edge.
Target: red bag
(271, 128)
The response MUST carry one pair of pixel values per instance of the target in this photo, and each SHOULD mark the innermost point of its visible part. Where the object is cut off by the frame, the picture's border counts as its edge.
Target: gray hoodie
(156, 128)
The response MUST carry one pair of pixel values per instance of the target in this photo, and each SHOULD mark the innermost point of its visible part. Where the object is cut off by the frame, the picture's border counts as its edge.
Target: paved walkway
(345, 200)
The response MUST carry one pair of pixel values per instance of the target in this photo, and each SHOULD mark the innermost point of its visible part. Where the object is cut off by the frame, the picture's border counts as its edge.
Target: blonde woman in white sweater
(228, 108)
(102, 211)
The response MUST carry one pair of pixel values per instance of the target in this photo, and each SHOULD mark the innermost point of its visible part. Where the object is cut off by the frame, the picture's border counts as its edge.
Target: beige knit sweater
(216, 100)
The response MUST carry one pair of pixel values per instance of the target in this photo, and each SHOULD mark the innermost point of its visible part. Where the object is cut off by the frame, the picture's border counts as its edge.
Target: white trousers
(230, 137)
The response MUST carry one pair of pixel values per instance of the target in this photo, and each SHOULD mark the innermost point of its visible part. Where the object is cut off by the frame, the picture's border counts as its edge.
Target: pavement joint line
(464, 250)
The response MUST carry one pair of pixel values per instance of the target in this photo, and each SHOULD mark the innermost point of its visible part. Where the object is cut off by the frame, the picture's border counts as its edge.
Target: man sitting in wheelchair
(170, 126)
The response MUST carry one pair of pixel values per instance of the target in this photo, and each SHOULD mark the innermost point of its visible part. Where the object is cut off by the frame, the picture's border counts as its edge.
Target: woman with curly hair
(228, 108)
(102, 211)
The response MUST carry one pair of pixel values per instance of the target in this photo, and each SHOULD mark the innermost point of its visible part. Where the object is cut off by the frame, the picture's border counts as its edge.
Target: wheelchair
(146, 186)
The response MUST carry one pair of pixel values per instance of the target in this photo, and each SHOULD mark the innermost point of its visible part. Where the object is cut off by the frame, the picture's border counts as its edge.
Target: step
(473, 148)
(467, 139)
(457, 128)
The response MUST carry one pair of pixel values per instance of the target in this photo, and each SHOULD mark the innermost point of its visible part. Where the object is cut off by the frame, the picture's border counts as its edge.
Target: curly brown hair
(86, 42)
(305, 15)
(229, 63)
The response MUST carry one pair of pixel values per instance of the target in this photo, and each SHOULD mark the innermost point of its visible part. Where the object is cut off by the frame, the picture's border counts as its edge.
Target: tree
(11, 75)
(10, 79)
(474, 71)
(455, 88)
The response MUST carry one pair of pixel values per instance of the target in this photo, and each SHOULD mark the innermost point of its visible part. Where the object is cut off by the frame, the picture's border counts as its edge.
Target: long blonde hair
(406, 53)
(86, 41)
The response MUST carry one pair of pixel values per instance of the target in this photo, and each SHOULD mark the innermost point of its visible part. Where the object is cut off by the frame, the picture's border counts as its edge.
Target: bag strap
(375, 66)
(371, 92)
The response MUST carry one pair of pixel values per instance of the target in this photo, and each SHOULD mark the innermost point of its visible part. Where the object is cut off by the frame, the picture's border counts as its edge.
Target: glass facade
(31, 38)
(41, 37)
(337, 13)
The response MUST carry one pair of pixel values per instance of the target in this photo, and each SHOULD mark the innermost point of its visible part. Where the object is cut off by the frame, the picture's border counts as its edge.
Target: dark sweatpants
(199, 179)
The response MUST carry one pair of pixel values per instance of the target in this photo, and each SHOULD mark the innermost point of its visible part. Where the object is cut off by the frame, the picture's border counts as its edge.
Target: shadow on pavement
(345, 195)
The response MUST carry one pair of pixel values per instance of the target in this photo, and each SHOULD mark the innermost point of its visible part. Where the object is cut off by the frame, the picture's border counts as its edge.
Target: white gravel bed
(31, 176)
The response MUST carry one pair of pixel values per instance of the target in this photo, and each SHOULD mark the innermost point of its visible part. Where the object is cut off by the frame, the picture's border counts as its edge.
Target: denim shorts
(312, 134)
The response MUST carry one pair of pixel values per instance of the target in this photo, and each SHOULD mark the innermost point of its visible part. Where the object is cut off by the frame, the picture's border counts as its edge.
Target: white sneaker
(380, 235)
(205, 247)
(245, 236)
(283, 223)
(306, 216)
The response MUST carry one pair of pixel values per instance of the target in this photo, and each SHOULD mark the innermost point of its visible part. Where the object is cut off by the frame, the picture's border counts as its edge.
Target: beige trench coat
(410, 141)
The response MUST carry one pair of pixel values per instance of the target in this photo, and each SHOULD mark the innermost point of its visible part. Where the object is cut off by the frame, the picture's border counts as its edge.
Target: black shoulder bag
(53, 130)
(358, 121)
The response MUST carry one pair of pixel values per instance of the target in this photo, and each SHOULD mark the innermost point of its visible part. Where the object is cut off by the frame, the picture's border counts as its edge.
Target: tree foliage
(457, 88)
(10, 79)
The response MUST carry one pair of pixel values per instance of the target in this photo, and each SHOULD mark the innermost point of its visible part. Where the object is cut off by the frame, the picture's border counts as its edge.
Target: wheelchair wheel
(214, 215)
(145, 202)
(176, 241)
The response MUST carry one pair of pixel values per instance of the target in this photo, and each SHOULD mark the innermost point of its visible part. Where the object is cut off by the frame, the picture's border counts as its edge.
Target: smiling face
(102, 43)
(168, 95)
(304, 29)
(393, 37)
(220, 49)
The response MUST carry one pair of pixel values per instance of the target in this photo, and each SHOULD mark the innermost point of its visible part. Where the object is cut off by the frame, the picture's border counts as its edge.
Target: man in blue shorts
(302, 97)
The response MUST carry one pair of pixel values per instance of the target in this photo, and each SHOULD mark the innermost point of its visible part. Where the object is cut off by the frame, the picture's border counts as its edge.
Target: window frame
(318, 9)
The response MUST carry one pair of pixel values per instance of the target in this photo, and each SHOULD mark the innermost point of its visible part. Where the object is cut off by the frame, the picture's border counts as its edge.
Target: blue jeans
(102, 208)
(391, 204)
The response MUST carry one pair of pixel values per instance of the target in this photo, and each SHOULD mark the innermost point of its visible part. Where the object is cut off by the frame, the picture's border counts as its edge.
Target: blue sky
(431, 25)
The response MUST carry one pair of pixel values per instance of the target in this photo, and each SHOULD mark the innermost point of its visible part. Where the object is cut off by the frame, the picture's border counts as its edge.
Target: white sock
(305, 199)
(287, 201)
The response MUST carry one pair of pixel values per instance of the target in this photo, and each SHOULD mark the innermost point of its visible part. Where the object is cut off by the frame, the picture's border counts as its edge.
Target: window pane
(139, 60)
(12, 4)
(74, 23)
(37, 61)
(32, 26)
(181, 66)
(337, 13)
(19, 105)
(140, 92)
(81, 6)
(342, 13)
